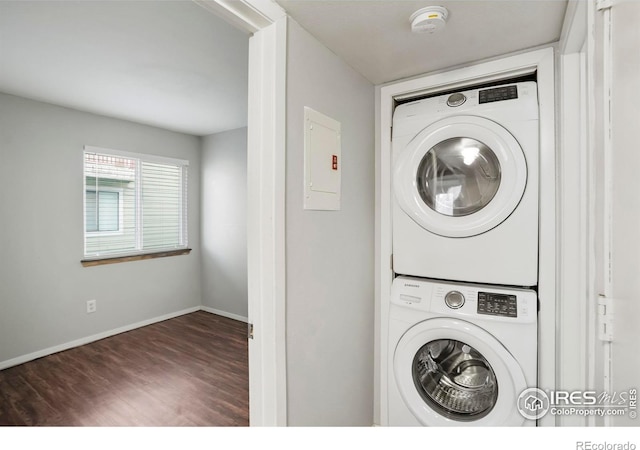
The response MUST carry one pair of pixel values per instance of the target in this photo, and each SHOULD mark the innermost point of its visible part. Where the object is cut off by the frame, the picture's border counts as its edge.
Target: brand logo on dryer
(411, 285)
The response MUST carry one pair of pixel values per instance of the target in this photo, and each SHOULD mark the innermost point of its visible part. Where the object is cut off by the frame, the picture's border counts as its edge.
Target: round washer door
(451, 372)
(460, 176)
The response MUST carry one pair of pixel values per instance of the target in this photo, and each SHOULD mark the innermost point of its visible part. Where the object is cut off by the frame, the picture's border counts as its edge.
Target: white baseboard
(96, 337)
(224, 314)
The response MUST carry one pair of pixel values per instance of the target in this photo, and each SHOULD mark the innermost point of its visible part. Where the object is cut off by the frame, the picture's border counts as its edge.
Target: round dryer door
(461, 176)
(451, 372)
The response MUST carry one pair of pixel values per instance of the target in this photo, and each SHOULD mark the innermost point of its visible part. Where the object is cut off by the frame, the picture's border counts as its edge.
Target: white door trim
(576, 285)
(267, 23)
(266, 225)
(248, 15)
(606, 42)
(542, 61)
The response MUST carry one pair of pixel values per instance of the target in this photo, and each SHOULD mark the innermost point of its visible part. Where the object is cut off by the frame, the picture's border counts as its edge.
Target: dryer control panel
(498, 94)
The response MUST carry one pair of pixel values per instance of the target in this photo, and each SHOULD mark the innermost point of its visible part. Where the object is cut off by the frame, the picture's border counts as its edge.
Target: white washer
(465, 182)
(459, 354)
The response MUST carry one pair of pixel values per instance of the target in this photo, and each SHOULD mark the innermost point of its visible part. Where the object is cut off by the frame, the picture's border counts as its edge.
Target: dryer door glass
(458, 176)
(455, 380)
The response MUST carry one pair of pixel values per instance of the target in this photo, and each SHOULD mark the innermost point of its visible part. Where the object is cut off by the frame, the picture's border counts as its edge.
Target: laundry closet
(466, 170)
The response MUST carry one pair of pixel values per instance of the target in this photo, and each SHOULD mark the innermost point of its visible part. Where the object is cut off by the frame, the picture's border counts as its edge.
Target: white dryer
(465, 182)
(459, 354)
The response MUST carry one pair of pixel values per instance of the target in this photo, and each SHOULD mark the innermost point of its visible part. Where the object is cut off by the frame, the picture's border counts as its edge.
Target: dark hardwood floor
(187, 371)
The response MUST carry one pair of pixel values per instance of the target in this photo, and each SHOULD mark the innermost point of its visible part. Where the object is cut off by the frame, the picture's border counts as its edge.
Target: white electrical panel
(322, 161)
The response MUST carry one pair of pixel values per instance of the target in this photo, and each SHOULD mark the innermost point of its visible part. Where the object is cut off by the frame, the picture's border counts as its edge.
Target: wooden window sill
(140, 257)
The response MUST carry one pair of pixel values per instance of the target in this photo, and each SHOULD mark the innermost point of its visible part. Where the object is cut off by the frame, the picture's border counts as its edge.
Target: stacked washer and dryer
(462, 336)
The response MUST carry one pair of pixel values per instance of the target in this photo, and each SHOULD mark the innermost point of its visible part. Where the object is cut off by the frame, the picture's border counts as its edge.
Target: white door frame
(576, 258)
(542, 61)
(267, 24)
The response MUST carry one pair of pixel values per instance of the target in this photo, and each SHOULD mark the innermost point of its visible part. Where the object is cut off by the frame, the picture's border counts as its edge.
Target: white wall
(329, 254)
(224, 222)
(625, 249)
(43, 287)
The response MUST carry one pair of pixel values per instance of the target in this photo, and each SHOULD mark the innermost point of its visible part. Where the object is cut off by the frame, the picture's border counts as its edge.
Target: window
(133, 204)
(103, 211)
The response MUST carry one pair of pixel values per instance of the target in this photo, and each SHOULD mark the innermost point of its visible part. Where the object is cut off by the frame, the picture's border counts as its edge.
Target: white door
(624, 200)
(460, 176)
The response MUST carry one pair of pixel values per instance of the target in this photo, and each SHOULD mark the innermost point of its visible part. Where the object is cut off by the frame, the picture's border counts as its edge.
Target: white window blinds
(133, 204)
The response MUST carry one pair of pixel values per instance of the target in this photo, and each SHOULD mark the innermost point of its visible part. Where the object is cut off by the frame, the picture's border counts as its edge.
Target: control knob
(454, 299)
(456, 99)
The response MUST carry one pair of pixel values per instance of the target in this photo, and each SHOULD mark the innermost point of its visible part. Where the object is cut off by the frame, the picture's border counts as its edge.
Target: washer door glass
(455, 380)
(458, 176)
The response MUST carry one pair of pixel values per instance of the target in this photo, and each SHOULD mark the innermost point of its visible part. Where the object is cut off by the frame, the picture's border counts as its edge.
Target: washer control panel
(454, 299)
(412, 296)
(497, 304)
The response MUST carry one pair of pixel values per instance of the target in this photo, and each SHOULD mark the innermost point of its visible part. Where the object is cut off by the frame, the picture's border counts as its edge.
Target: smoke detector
(429, 20)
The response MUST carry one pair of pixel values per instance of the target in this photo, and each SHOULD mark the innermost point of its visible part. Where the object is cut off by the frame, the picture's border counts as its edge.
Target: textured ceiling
(174, 65)
(375, 37)
(170, 64)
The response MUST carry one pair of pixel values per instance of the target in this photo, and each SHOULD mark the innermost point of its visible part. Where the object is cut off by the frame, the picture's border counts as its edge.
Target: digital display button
(497, 304)
(498, 94)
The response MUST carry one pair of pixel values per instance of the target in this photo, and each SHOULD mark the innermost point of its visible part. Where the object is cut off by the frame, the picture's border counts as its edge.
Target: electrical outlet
(91, 306)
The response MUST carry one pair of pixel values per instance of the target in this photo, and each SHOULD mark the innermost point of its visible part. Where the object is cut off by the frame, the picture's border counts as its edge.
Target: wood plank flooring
(188, 371)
